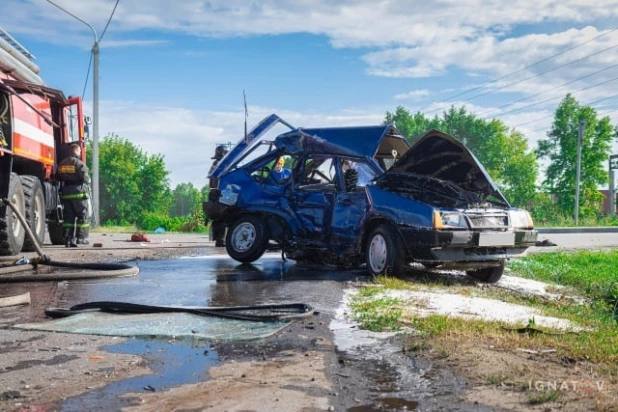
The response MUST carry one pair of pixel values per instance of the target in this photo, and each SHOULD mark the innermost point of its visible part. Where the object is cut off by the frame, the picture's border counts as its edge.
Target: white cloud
(407, 39)
(132, 43)
(348, 23)
(412, 95)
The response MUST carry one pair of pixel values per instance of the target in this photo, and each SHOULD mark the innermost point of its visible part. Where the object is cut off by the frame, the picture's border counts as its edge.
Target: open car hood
(440, 156)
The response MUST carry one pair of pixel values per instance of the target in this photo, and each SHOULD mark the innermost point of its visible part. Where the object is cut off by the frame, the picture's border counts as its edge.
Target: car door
(314, 196)
(350, 209)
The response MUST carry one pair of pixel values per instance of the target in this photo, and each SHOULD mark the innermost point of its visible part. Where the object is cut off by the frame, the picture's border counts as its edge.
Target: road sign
(613, 162)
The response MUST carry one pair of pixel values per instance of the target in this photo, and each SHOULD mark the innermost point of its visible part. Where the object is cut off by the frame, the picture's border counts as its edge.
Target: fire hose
(11, 272)
(259, 313)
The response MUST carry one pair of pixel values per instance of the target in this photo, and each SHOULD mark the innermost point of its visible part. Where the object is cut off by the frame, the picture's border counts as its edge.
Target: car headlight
(449, 220)
(520, 219)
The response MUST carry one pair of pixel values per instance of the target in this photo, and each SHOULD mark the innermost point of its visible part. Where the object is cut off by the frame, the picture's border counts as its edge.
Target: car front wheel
(487, 275)
(384, 254)
(246, 239)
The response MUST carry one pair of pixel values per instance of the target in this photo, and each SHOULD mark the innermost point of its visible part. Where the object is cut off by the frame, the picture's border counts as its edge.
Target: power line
(531, 77)
(87, 76)
(100, 38)
(524, 68)
(557, 97)
(546, 91)
(109, 20)
(601, 115)
(552, 115)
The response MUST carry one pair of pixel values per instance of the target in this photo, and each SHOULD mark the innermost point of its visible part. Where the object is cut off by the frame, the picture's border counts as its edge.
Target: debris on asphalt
(23, 299)
(545, 243)
(139, 237)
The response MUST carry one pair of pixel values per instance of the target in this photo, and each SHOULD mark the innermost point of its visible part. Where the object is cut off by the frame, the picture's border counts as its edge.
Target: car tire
(246, 239)
(487, 275)
(384, 254)
(35, 211)
(12, 233)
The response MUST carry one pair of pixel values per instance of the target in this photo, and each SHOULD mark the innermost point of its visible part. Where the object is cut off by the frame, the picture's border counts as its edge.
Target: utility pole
(613, 165)
(95, 117)
(612, 194)
(580, 138)
(95, 134)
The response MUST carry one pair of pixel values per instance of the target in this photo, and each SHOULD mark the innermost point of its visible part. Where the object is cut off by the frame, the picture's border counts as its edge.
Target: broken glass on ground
(159, 325)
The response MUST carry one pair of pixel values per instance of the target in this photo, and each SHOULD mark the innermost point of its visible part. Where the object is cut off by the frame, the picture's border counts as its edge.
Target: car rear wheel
(384, 254)
(487, 275)
(246, 239)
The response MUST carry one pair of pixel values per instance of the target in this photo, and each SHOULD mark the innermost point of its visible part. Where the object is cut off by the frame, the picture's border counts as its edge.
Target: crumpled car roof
(357, 141)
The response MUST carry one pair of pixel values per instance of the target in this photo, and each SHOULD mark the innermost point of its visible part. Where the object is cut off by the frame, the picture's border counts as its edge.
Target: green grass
(593, 274)
(133, 229)
(539, 397)
(567, 221)
(375, 313)
(114, 229)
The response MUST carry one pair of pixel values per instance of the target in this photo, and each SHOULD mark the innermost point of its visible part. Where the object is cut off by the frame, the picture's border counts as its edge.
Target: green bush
(192, 223)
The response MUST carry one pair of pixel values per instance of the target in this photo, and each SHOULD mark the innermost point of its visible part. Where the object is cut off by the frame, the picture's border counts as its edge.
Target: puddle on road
(204, 281)
(173, 364)
(386, 404)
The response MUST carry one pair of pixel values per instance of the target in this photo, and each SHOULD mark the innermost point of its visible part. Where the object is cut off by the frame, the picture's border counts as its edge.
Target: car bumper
(444, 245)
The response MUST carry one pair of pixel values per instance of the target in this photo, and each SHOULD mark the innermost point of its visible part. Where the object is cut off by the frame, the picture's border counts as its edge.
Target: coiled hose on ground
(11, 273)
(12, 270)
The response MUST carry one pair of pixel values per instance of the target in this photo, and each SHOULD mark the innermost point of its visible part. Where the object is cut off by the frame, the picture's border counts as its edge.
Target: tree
(186, 198)
(132, 183)
(412, 126)
(560, 148)
(502, 151)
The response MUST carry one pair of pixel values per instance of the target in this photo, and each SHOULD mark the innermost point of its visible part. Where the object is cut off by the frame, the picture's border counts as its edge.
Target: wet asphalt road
(216, 280)
(374, 377)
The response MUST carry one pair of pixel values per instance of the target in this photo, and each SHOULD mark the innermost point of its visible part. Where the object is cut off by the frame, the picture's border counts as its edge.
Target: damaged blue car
(356, 196)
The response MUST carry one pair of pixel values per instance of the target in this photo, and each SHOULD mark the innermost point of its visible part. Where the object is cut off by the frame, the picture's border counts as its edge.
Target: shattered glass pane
(159, 325)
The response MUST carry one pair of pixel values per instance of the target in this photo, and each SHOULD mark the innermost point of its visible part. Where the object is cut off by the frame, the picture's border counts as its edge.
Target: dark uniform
(73, 174)
(218, 226)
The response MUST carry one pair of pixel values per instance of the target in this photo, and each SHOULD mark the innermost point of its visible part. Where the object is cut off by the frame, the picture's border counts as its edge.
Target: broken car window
(319, 173)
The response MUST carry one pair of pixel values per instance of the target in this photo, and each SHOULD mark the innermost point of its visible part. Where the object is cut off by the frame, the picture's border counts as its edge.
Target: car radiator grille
(485, 221)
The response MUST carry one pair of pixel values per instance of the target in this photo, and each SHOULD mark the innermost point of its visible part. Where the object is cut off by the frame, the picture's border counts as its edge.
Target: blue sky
(172, 73)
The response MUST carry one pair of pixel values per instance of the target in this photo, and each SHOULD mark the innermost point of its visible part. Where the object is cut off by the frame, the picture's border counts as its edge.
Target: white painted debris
(534, 287)
(450, 304)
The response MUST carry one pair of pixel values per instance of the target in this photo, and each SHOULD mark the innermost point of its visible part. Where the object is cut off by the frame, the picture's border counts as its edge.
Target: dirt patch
(46, 368)
(37, 368)
(521, 381)
(288, 382)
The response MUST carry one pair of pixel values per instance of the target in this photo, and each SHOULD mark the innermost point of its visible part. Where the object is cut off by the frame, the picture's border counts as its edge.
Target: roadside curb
(607, 229)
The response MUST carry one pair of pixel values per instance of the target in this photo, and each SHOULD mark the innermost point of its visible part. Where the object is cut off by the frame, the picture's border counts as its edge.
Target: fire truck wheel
(11, 231)
(56, 233)
(35, 210)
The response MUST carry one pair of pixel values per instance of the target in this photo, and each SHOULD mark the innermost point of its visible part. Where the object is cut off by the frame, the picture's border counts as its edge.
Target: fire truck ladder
(9, 39)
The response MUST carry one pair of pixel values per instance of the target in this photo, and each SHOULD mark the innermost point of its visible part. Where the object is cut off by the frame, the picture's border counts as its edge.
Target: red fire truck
(35, 132)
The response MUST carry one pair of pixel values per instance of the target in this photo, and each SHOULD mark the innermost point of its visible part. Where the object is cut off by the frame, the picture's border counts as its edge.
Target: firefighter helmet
(220, 151)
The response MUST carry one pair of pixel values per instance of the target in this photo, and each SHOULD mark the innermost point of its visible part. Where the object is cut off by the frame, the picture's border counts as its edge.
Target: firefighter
(217, 226)
(73, 174)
